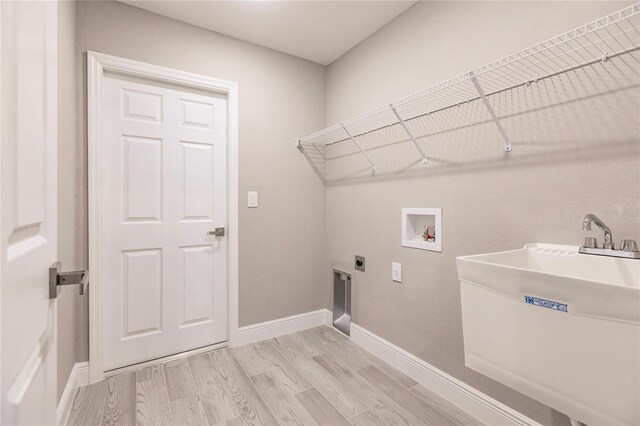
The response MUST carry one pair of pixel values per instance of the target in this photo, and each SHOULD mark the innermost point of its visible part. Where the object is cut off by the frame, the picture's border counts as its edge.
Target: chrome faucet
(586, 226)
(628, 248)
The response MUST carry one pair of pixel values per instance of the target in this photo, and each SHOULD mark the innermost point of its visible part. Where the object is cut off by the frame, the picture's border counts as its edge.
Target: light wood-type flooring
(316, 376)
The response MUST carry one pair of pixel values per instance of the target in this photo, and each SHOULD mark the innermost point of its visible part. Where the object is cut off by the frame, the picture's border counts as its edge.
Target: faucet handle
(590, 242)
(629, 245)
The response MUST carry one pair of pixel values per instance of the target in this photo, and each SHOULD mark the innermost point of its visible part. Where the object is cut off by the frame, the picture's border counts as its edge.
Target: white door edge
(97, 64)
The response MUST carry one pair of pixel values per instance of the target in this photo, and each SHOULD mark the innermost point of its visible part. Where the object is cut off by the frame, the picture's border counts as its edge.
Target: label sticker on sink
(544, 303)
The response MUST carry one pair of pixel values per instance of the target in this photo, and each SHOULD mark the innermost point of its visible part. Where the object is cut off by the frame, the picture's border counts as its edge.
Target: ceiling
(320, 31)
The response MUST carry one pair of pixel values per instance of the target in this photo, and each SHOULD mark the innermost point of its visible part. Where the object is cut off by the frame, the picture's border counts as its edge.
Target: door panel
(142, 291)
(197, 114)
(164, 167)
(28, 240)
(143, 178)
(197, 284)
(142, 106)
(197, 177)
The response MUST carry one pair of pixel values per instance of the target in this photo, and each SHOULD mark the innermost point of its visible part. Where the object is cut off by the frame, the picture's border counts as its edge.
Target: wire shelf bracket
(313, 165)
(373, 166)
(319, 152)
(406, 129)
(485, 101)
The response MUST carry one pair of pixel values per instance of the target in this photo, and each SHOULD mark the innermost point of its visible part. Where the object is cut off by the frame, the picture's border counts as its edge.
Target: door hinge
(57, 278)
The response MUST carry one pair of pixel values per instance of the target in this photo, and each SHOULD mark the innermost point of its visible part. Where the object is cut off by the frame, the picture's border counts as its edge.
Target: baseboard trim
(279, 327)
(79, 377)
(481, 406)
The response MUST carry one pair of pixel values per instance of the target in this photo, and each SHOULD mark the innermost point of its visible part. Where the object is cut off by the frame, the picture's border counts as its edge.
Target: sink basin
(557, 325)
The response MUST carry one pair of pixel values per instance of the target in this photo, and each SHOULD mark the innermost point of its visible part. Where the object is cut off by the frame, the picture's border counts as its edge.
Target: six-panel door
(164, 287)
(28, 200)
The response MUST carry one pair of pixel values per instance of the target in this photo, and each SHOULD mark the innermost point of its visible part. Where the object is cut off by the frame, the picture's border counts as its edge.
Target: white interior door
(28, 243)
(164, 161)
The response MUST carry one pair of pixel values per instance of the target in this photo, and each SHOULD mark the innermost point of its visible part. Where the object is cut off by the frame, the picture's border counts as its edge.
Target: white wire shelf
(611, 42)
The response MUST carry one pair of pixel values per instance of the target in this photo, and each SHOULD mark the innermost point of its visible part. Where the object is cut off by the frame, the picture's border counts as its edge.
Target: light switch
(252, 199)
(396, 272)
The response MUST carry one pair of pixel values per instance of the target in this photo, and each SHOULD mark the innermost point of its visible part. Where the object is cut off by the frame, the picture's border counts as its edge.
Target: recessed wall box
(422, 228)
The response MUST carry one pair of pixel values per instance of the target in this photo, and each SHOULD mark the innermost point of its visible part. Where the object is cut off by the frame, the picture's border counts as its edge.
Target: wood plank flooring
(314, 377)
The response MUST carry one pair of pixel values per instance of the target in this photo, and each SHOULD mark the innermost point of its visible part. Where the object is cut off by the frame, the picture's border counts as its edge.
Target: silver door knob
(58, 278)
(629, 245)
(590, 242)
(218, 232)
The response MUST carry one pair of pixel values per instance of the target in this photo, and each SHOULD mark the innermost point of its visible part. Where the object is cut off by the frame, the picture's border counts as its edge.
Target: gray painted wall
(567, 161)
(282, 247)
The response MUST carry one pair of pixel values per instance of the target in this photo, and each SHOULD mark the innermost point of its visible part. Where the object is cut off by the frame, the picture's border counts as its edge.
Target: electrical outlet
(396, 272)
(359, 263)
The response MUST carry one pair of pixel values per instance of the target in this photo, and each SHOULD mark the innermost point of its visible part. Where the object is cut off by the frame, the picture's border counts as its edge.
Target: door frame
(97, 64)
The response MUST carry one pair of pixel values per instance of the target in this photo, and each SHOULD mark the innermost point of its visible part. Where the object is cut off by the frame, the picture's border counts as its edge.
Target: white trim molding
(79, 377)
(97, 65)
(481, 406)
(279, 327)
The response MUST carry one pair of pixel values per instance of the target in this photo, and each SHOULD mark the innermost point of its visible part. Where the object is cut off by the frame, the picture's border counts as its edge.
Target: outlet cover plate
(359, 263)
(396, 272)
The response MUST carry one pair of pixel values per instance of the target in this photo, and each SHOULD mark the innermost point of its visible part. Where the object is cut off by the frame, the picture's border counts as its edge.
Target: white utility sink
(559, 326)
